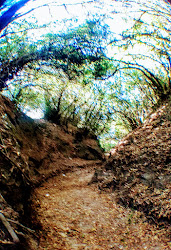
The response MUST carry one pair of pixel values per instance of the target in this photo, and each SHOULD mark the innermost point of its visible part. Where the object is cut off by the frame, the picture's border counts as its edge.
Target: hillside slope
(31, 151)
(139, 167)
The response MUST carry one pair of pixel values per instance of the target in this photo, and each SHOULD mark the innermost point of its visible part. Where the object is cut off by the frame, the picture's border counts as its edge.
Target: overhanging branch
(7, 17)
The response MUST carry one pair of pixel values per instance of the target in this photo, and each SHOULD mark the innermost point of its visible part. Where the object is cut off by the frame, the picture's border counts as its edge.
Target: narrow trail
(76, 215)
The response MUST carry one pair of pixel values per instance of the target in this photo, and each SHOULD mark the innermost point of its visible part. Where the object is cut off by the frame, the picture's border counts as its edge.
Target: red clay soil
(75, 214)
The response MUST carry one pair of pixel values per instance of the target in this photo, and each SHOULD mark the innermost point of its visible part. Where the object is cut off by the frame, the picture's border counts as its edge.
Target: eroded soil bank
(68, 211)
(75, 214)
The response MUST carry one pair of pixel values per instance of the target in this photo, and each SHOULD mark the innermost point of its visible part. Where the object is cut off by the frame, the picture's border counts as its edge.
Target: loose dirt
(67, 211)
(75, 214)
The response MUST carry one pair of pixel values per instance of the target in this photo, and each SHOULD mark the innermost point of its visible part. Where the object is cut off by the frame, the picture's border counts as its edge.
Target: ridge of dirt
(75, 215)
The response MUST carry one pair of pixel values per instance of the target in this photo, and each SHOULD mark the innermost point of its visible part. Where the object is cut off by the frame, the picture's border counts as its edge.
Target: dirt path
(75, 215)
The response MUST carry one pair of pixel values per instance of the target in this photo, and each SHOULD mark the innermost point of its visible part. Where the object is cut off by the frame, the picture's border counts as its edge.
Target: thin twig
(6, 242)
(9, 228)
(26, 228)
(2, 198)
(16, 165)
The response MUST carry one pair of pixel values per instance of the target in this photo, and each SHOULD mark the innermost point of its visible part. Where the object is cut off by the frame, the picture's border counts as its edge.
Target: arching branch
(8, 16)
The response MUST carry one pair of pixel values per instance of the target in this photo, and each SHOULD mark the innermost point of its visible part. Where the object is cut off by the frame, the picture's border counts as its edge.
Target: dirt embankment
(31, 152)
(139, 169)
(70, 213)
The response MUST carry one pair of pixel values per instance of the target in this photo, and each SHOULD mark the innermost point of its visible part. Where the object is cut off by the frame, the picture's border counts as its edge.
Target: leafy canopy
(73, 79)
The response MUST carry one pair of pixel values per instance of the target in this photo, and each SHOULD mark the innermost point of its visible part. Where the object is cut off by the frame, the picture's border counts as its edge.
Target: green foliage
(16, 42)
(69, 76)
(101, 68)
(147, 48)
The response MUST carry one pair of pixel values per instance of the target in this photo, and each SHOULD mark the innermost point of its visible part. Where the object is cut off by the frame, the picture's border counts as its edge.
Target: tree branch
(9, 228)
(7, 17)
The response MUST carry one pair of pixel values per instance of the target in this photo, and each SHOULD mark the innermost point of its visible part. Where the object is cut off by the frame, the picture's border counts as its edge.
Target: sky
(120, 18)
(56, 11)
(79, 10)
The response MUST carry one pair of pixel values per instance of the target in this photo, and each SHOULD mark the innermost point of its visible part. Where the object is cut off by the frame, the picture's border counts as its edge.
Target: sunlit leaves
(71, 76)
(147, 46)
